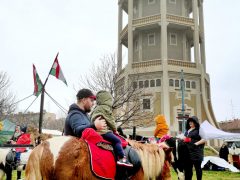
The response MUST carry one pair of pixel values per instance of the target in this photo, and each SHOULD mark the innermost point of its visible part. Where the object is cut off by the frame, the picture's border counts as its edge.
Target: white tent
(220, 162)
(52, 132)
(207, 132)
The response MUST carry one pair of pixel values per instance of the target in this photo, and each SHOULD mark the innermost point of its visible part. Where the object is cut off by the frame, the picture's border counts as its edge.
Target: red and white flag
(57, 71)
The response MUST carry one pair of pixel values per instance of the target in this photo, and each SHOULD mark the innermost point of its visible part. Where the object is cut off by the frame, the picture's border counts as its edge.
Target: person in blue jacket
(77, 119)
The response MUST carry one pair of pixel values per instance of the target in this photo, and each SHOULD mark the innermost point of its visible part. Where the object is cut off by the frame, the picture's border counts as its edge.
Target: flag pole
(42, 102)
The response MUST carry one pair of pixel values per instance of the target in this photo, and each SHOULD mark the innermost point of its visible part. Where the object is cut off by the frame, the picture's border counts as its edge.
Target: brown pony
(67, 158)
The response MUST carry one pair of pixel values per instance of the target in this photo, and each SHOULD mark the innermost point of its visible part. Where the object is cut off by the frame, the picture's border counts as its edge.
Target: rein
(177, 149)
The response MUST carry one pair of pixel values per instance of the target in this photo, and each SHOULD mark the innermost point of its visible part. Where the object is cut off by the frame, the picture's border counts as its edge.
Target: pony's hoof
(181, 176)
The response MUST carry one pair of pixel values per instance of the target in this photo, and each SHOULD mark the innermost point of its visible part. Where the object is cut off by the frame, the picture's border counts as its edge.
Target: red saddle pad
(102, 161)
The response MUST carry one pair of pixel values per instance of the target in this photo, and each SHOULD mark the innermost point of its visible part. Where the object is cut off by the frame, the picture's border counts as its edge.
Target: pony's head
(180, 153)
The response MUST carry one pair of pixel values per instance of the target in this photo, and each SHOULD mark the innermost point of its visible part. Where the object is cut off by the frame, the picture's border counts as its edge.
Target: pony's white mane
(152, 158)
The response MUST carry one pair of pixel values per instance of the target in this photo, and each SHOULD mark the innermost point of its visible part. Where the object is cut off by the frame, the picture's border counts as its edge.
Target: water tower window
(172, 1)
(136, 45)
(180, 122)
(171, 82)
(187, 84)
(135, 8)
(173, 39)
(151, 1)
(146, 83)
(176, 83)
(193, 85)
(151, 39)
(146, 104)
(152, 83)
(135, 85)
(158, 82)
(140, 84)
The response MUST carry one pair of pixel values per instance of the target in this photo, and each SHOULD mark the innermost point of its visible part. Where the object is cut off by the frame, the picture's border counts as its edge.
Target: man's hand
(116, 132)
(187, 140)
(100, 123)
(12, 142)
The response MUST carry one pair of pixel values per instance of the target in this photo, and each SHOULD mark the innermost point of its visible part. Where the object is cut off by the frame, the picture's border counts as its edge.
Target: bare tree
(101, 76)
(7, 98)
(127, 104)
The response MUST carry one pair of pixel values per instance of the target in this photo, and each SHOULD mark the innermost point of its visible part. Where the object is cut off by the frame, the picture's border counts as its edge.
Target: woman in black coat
(195, 145)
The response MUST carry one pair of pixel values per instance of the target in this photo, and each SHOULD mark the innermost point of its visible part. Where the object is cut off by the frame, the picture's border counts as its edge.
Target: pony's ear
(168, 150)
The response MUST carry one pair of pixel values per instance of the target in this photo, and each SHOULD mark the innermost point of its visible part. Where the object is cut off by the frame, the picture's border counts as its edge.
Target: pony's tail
(33, 171)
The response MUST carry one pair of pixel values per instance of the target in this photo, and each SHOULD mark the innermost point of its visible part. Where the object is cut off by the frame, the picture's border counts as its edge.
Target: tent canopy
(6, 131)
(208, 132)
(8, 125)
(220, 162)
(52, 132)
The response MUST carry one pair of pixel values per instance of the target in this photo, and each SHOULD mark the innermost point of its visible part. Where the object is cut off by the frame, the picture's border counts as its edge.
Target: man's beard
(87, 110)
(16, 134)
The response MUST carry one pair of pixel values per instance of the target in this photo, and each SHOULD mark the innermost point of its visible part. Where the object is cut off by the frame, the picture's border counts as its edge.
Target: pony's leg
(166, 173)
(139, 175)
(19, 173)
(2, 173)
(20, 168)
(8, 171)
(33, 166)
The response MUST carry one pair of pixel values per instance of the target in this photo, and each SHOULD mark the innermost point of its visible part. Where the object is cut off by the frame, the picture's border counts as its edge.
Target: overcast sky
(84, 31)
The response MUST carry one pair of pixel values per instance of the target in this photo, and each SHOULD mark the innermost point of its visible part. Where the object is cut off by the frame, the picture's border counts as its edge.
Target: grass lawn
(214, 175)
(207, 175)
(14, 175)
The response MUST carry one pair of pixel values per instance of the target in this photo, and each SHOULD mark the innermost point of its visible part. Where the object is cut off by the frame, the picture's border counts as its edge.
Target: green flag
(37, 82)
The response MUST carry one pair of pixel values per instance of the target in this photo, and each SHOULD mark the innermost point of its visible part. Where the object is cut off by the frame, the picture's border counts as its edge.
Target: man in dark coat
(78, 120)
(195, 145)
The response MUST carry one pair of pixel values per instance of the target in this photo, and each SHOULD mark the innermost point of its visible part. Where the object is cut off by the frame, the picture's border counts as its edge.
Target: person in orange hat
(161, 127)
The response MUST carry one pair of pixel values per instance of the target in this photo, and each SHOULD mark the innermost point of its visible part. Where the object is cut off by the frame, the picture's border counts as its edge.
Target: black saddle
(124, 173)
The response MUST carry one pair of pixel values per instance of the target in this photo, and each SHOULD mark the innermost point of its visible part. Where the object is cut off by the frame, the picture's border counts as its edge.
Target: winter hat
(193, 119)
(24, 129)
(85, 93)
(161, 126)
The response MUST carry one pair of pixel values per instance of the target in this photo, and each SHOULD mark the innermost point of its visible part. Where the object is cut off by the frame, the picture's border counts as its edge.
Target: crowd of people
(194, 143)
(102, 120)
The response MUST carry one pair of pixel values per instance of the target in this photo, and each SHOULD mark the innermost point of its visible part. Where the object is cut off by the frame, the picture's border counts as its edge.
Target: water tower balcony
(155, 65)
(124, 36)
(181, 63)
(180, 20)
(149, 22)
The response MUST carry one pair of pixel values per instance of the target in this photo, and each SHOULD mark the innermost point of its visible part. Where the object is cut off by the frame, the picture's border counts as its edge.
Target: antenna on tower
(232, 109)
